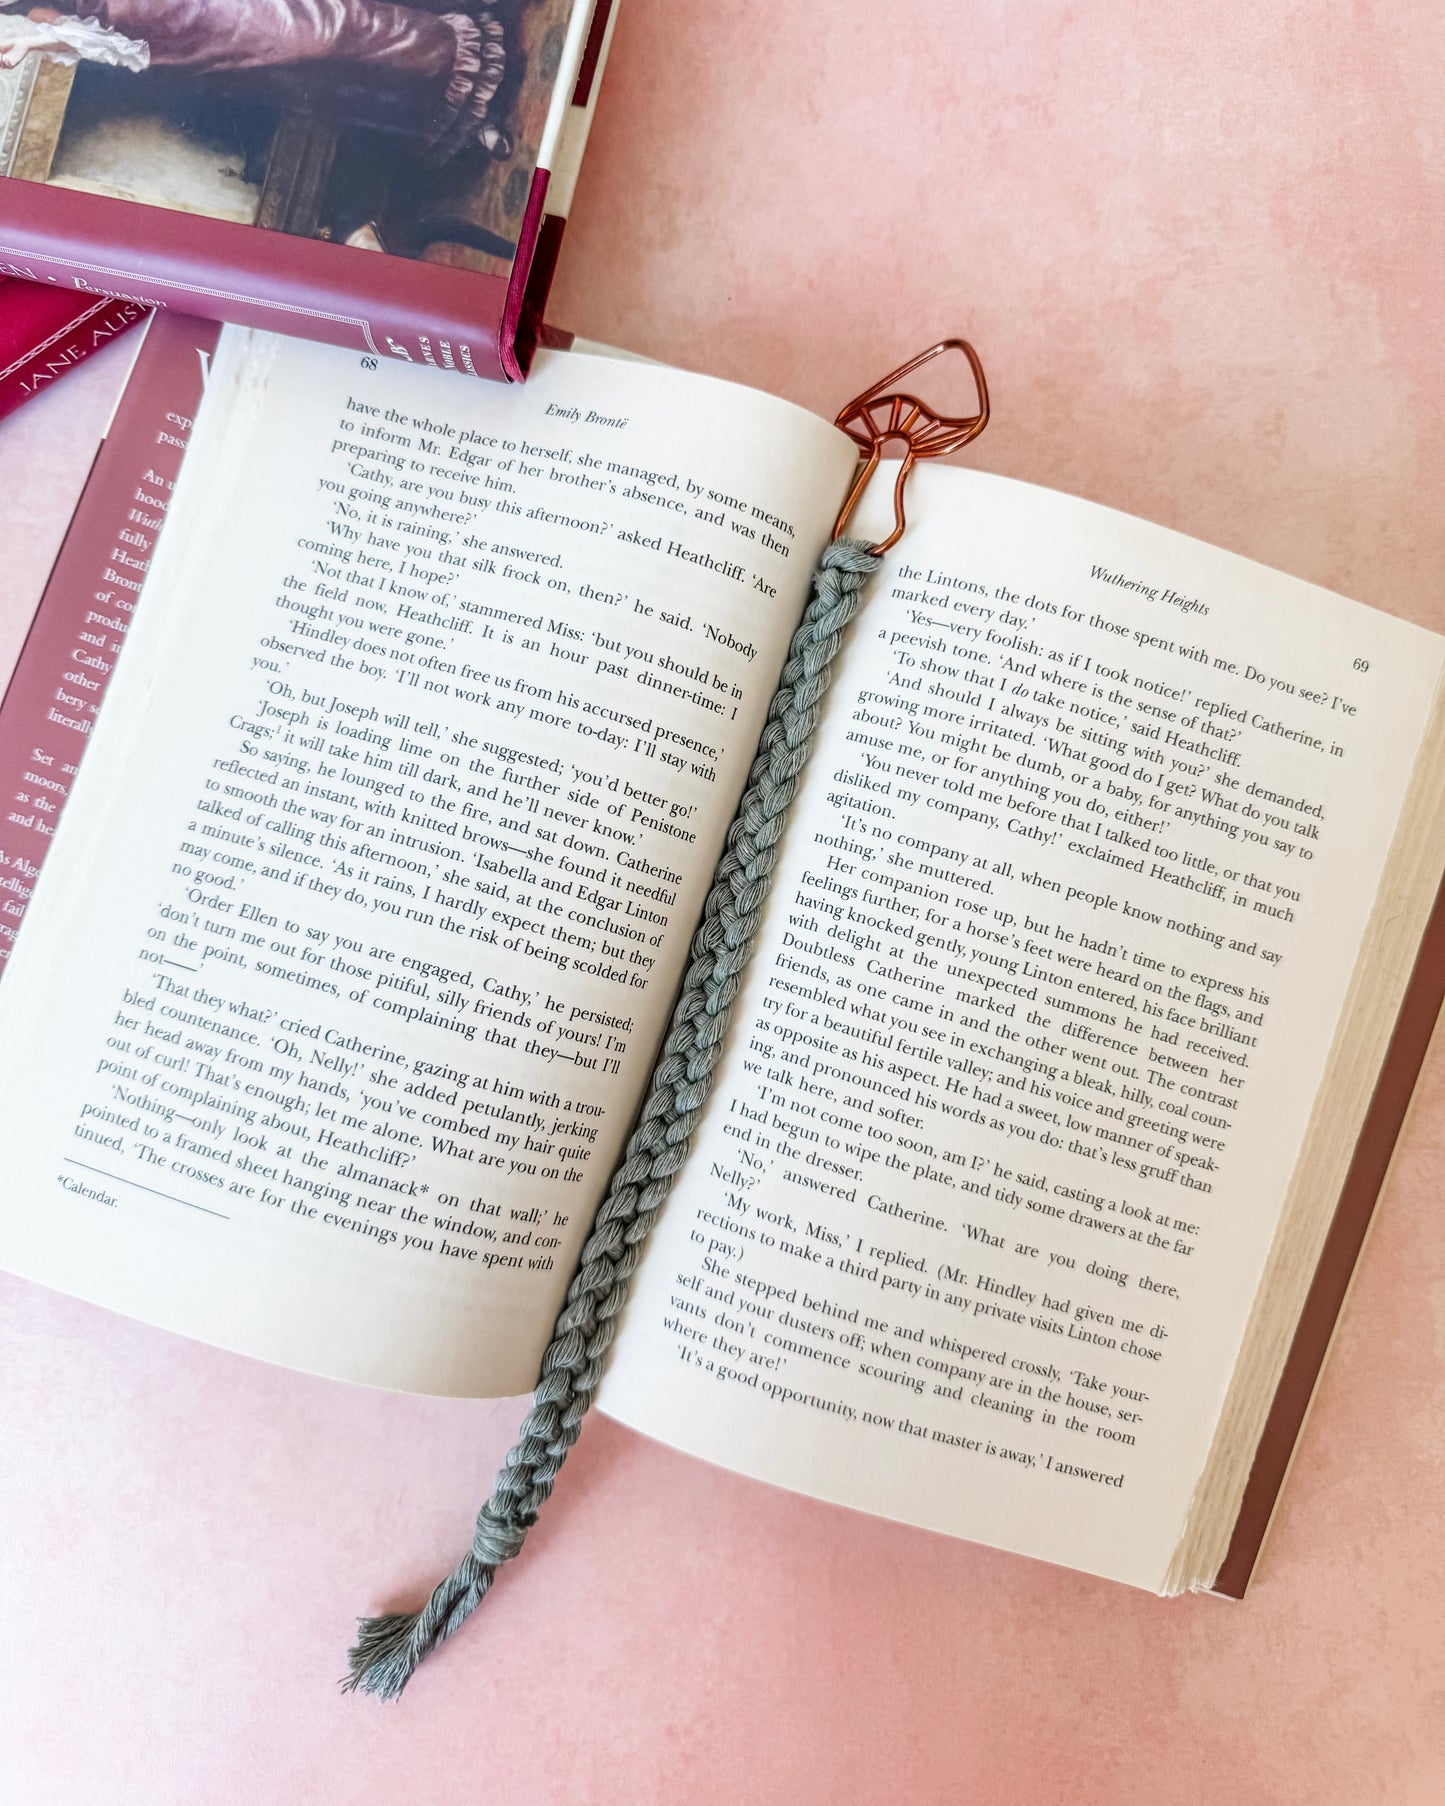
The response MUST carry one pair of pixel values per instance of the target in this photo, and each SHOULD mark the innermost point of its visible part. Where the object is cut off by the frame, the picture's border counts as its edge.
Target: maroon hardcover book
(45, 332)
(388, 177)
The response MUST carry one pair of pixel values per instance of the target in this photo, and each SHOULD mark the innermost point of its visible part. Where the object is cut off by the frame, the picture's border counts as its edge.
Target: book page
(1066, 918)
(344, 976)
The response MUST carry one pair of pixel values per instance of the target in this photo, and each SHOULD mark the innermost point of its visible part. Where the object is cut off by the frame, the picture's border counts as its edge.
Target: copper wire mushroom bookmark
(883, 413)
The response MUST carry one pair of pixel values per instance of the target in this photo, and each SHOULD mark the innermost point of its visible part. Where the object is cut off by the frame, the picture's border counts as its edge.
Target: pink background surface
(1201, 252)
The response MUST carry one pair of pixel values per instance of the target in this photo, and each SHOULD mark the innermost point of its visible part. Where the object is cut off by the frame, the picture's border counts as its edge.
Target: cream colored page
(348, 966)
(1022, 1066)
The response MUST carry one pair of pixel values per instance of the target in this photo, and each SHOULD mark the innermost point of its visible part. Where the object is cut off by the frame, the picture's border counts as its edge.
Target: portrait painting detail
(405, 128)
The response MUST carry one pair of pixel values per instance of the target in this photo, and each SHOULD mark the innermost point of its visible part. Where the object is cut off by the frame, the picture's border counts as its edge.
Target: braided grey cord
(388, 1649)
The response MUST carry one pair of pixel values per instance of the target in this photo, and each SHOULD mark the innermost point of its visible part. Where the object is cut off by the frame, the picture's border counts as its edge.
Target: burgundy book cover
(60, 677)
(45, 332)
(374, 176)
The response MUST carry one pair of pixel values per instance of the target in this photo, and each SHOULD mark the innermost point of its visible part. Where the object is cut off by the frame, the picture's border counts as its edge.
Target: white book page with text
(343, 982)
(1073, 893)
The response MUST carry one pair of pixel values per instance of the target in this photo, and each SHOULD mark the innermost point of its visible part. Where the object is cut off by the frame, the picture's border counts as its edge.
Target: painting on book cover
(404, 127)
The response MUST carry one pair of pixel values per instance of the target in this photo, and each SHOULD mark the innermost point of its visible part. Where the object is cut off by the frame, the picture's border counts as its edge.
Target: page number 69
(1362, 664)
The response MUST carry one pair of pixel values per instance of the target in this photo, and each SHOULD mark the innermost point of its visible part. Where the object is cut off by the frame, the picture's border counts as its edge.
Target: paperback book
(1092, 983)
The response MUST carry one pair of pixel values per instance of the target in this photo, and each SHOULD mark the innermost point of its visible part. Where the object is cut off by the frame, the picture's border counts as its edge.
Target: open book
(1097, 912)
